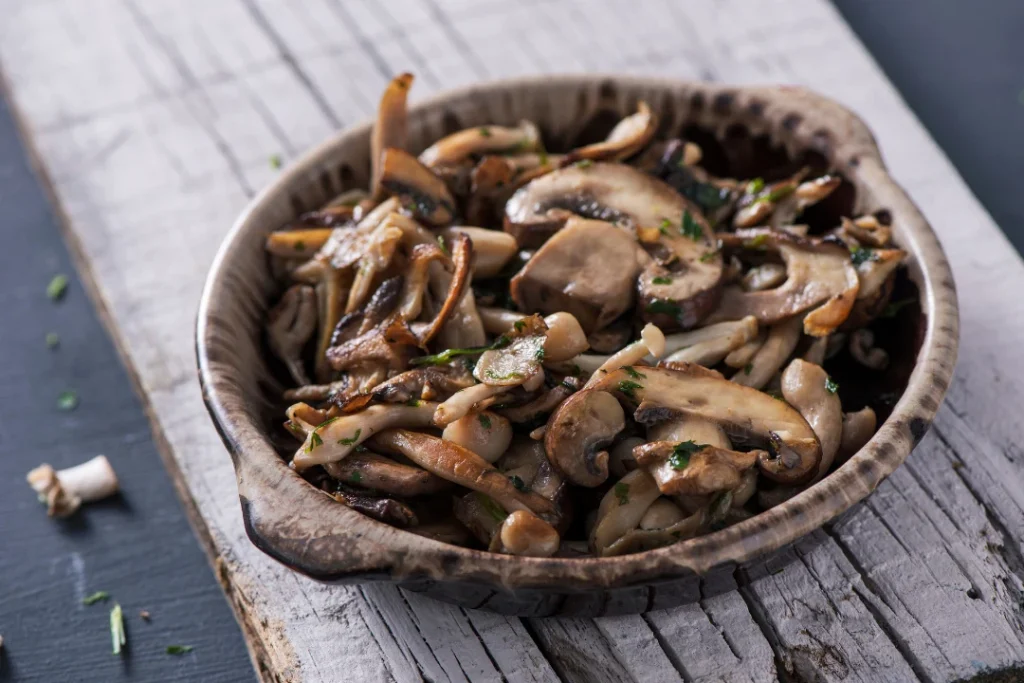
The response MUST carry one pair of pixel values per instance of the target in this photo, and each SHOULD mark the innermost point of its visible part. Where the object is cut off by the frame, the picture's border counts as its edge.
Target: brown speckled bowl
(741, 130)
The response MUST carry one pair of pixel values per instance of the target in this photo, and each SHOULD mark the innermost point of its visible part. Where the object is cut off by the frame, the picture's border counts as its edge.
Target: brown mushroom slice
(290, 324)
(613, 337)
(629, 136)
(588, 269)
(738, 358)
(543, 404)
(485, 433)
(384, 509)
(715, 344)
(867, 230)
(373, 471)
(862, 348)
(463, 467)
(765, 276)
(416, 278)
(876, 266)
(620, 456)
(458, 147)
(694, 469)
(331, 293)
(778, 346)
(578, 431)
(806, 194)
(809, 389)
(336, 438)
(742, 411)
(858, 428)
(663, 513)
(390, 129)
(427, 383)
(651, 343)
(418, 189)
(389, 346)
(524, 533)
(622, 508)
(640, 539)
(297, 243)
(818, 274)
(492, 249)
(453, 306)
(681, 286)
(376, 257)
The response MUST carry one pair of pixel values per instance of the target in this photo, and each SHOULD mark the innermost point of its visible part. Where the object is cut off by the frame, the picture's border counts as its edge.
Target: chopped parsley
(661, 281)
(519, 325)
(485, 421)
(491, 374)
(895, 307)
(355, 477)
(628, 388)
(52, 340)
(492, 508)
(584, 163)
(444, 247)
(708, 256)
(413, 403)
(179, 649)
(98, 596)
(57, 288)
(621, 492)
(756, 242)
(67, 400)
(629, 370)
(117, 635)
(861, 255)
(831, 386)
(690, 227)
(663, 228)
(350, 440)
(748, 368)
(680, 458)
(576, 370)
(540, 354)
(314, 442)
(275, 161)
(755, 186)
(484, 131)
(326, 422)
(542, 154)
(518, 482)
(662, 306)
(776, 194)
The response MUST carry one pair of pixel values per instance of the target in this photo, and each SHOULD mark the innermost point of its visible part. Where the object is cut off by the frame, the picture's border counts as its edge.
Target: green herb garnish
(662, 306)
(57, 288)
(314, 442)
(98, 596)
(485, 421)
(52, 340)
(179, 649)
(67, 400)
(576, 370)
(484, 131)
(755, 186)
(299, 245)
(350, 440)
(629, 370)
(518, 482)
(661, 281)
(542, 154)
(413, 403)
(831, 385)
(326, 422)
(117, 634)
(519, 325)
(628, 388)
(444, 247)
(621, 492)
(708, 256)
(665, 225)
(275, 161)
(540, 354)
(680, 458)
(355, 477)
(491, 374)
(861, 255)
(690, 227)
(584, 163)
(492, 508)
(776, 194)
(748, 368)
(756, 242)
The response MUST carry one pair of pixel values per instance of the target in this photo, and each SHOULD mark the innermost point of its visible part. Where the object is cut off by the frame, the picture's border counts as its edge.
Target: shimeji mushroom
(651, 343)
(373, 471)
(808, 388)
(524, 533)
(858, 428)
(629, 136)
(485, 433)
(481, 140)
(768, 359)
(709, 345)
(543, 404)
(290, 324)
(662, 513)
(382, 508)
(64, 491)
(390, 129)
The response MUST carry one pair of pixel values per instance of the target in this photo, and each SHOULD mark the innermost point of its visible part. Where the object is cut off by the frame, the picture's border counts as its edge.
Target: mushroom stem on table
(65, 490)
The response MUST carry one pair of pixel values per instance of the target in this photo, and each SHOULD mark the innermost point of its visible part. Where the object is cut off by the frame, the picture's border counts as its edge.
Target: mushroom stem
(651, 342)
(64, 491)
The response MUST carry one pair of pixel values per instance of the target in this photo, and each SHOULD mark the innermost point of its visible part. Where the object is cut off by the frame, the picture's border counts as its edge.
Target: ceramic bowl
(739, 128)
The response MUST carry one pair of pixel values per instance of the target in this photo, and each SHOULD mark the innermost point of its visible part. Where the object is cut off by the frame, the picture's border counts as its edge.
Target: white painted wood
(154, 122)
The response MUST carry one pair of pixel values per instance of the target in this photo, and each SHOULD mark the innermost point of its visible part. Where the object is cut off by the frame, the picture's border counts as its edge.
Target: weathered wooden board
(154, 122)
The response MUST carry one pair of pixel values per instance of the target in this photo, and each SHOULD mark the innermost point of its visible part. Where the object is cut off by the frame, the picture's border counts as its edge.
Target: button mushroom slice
(390, 128)
(613, 337)
(809, 389)
(629, 136)
(777, 348)
(862, 348)
(806, 194)
(588, 269)
(662, 513)
(716, 342)
(765, 276)
(819, 273)
(485, 433)
(418, 189)
(738, 358)
(868, 231)
(372, 471)
(492, 249)
(388, 510)
(290, 324)
(335, 439)
(463, 467)
(640, 539)
(620, 456)
(578, 431)
(694, 469)
(65, 490)
(297, 243)
(744, 413)
(481, 140)
(858, 428)
(622, 508)
(651, 343)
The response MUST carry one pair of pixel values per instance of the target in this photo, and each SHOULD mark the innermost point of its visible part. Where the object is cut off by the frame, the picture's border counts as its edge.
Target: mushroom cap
(423, 193)
(577, 432)
(805, 387)
(705, 470)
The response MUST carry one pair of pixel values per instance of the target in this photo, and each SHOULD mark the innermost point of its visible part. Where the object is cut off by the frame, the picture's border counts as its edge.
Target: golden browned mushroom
(290, 324)
(65, 490)
(420, 192)
(622, 508)
(481, 140)
(694, 469)
(709, 345)
(806, 194)
(629, 136)
(485, 433)
(373, 471)
(809, 389)
(543, 404)
(858, 428)
(579, 431)
(768, 359)
(390, 129)
(868, 231)
(524, 533)
(297, 243)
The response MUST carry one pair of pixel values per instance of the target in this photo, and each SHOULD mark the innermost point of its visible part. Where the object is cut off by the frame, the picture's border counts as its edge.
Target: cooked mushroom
(709, 345)
(651, 343)
(629, 136)
(379, 249)
(611, 338)
(481, 140)
(389, 510)
(744, 413)
(65, 490)
(778, 346)
(806, 194)
(390, 129)
(491, 249)
(519, 361)
(874, 268)
(765, 276)
(620, 456)
(290, 324)
(577, 433)
(640, 539)
(373, 471)
(487, 434)
(420, 191)
(867, 230)
(858, 428)
(809, 389)
(622, 508)
(543, 404)
(430, 383)
(817, 350)
(297, 243)
(694, 469)
(662, 513)
(588, 269)
(738, 358)
(524, 533)
(463, 402)
(331, 293)
(862, 348)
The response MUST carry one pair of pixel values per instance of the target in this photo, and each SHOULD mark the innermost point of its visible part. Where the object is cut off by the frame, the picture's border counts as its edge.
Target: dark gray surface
(960, 66)
(138, 547)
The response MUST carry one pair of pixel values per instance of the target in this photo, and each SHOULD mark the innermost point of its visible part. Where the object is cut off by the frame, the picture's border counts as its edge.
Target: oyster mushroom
(778, 346)
(862, 348)
(519, 361)
(819, 274)
(426, 383)
(744, 413)
(65, 490)
(485, 433)
(492, 249)
(718, 341)
(417, 278)
(578, 431)
(373, 471)
(739, 357)
(858, 428)
(694, 469)
(543, 404)
(381, 508)
(331, 293)
(622, 508)
(418, 189)
(297, 243)
(808, 388)
(390, 129)
(588, 269)
(867, 230)
(806, 194)
(379, 250)
(629, 136)
(290, 324)
(481, 140)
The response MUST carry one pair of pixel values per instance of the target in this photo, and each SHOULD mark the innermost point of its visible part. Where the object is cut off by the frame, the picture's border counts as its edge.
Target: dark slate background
(960, 66)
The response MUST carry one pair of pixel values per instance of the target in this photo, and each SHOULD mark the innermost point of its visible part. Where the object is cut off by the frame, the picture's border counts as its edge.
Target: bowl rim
(350, 547)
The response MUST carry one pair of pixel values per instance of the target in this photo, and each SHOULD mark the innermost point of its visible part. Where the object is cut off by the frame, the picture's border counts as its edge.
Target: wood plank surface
(155, 120)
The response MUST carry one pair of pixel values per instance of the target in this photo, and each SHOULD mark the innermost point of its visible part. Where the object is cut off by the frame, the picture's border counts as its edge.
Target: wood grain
(155, 126)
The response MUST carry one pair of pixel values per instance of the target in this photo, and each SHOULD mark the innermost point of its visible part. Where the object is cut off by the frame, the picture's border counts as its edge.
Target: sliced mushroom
(611, 338)
(390, 129)
(629, 136)
(388, 346)
(577, 433)
(765, 276)
(418, 189)
(290, 324)
(379, 250)
(875, 268)
(481, 140)
(738, 358)
(620, 456)
(297, 243)
(65, 490)
(524, 533)
(385, 509)
(457, 311)
(694, 469)
(417, 278)
(743, 412)
(808, 388)
(588, 269)
(709, 345)
(543, 404)
(485, 433)
(858, 428)
(862, 348)
(651, 343)
(373, 471)
(519, 361)
(492, 249)
(481, 515)
(806, 194)
(778, 346)
(429, 383)
(622, 508)
(662, 513)
(867, 230)
(335, 439)
(819, 273)
(463, 467)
